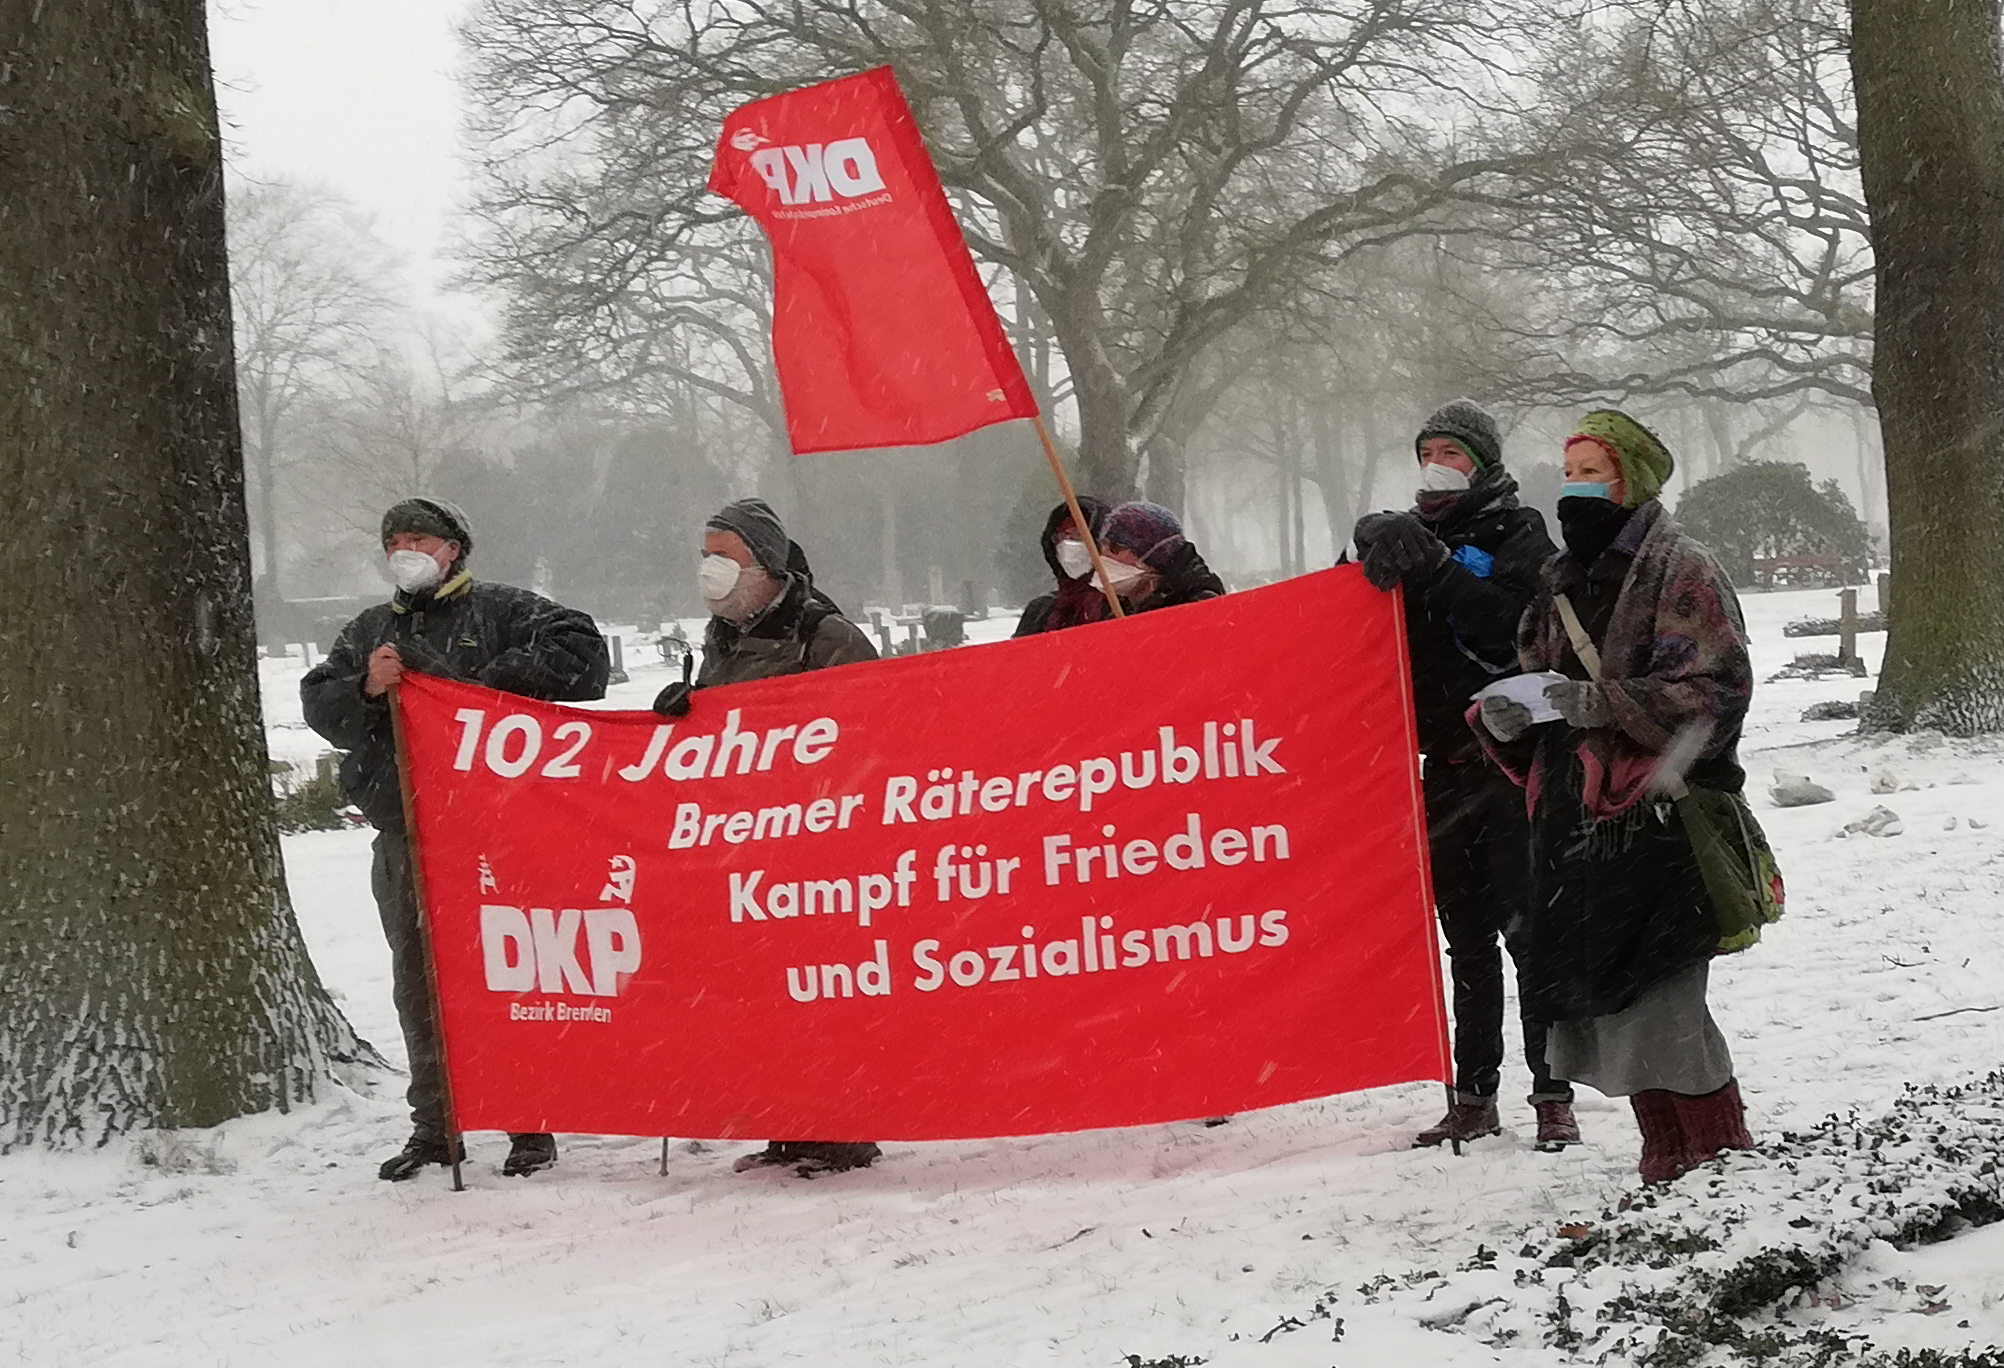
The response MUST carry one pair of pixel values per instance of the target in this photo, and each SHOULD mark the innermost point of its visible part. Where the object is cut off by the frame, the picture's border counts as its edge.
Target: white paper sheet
(1529, 690)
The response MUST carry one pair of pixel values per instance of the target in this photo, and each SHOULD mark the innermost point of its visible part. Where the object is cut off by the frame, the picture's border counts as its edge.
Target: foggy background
(431, 298)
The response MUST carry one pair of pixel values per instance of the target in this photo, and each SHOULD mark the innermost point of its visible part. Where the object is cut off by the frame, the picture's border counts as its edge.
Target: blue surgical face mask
(1586, 489)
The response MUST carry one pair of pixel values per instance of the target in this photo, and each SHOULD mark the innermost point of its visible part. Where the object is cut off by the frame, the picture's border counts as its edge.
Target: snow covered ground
(270, 1239)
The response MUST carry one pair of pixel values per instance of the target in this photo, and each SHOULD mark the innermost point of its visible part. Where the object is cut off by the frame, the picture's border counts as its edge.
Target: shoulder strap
(1671, 784)
(1583, 646)
(815, 611)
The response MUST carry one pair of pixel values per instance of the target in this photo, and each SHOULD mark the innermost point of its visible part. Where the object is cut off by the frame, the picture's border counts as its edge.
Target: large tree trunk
(893, 582)
(1296, 532)
(1169, 467)
(1108, 464)
(1367, 476)
(1931, 147)
(154, 973)
(1868, 463)
(1331, 471)
(267, 505)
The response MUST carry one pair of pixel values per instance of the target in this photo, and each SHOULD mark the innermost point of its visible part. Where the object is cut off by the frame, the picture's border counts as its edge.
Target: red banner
(1145, 870)
(882, 331)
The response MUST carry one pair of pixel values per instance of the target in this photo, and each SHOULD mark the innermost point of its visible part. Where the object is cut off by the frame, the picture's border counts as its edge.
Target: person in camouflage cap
(439, 621)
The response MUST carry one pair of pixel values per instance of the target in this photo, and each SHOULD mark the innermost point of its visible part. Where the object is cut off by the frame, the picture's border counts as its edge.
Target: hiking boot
(1557, 1127)
(772, 1156)
(812, 1156)
(1712, 1123)
(418, 1151)
(1464, 1121)
(529, 1153)
(1664, 1153)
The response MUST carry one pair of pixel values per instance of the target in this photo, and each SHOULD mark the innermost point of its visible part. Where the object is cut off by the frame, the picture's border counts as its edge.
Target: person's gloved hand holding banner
(1147, 870)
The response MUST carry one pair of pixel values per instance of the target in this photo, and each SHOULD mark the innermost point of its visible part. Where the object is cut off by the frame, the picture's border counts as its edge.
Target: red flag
(818, 906)
(882, 330)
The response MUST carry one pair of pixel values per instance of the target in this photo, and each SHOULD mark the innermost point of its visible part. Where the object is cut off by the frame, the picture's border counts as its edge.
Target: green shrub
(1766, 511)
(312, 803)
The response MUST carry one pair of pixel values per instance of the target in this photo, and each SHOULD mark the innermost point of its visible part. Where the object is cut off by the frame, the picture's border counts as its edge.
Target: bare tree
(1930, 79)
(308, 281)
(407, 411)
(1714, 243)
(155, 974)
(1152, 174)
(1330, 387)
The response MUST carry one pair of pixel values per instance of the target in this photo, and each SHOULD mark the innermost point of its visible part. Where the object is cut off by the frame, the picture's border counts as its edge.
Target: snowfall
(1865, 1028)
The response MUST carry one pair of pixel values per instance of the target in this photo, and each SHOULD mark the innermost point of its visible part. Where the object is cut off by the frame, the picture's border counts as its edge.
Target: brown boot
(1466, 1119)
(1712, 1123)
(1664, 1155)
(1557, 1126)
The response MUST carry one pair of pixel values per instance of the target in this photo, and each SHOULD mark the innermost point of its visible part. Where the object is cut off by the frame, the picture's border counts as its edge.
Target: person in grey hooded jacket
(767, 620)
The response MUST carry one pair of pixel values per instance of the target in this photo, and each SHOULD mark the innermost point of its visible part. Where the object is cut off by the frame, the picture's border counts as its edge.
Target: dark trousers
(410, 986)
(1481, 841)
(410, 989)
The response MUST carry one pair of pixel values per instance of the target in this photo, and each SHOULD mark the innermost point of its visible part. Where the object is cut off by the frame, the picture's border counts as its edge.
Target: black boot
(810, 1157)
(529, 1153)
(775, 1154)
(418, 1151)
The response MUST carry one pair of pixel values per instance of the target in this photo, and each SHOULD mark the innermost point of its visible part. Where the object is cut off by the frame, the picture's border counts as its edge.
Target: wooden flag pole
(1078, 515)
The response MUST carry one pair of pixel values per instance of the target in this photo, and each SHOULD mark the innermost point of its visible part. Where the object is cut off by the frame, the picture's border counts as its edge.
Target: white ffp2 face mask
(1119, 573)
(716, 576)
(1073, 558)
(413, 570)
(1441, 479)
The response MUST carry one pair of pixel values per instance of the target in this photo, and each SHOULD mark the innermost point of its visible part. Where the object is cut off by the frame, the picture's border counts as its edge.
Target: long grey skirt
(1664, 1039)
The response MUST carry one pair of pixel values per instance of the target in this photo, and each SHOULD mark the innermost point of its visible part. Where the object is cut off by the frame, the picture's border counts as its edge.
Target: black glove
(1506, 718)
(1400, 548)
(1368, 528)
(673, 701)
(1581, 703)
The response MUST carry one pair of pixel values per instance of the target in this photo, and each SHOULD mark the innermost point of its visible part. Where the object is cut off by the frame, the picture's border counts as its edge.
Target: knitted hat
(1470, 426)
(1645, 462)
(429, 517)
(1149, 530)
(763, 534)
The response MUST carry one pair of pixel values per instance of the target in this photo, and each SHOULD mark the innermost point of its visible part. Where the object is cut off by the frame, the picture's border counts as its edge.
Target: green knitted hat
(1645, 462)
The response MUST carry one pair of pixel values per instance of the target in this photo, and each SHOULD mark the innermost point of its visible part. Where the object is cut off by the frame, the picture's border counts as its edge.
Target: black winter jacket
(1085, 602)
(1185, 579)
(1461, 622)
(492, 634)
